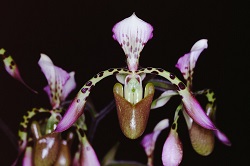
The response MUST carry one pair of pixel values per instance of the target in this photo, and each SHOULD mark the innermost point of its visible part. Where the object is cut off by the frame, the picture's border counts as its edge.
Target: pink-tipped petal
(132, 34)
(70, 117)
(172, 150)
(222, 137)
(195, 111)
(186, 63)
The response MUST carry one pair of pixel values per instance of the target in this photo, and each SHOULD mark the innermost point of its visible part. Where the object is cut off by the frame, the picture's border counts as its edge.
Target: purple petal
(60, 83)
(172, 150)
(195, 111)
(186, 63)
(74, 111)
(132, 34)
(222, 137)
(148, 141)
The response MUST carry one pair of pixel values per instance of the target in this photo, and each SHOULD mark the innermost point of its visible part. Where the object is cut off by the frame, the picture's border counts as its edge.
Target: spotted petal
(60, 83)
(132, 34)
(186, 63)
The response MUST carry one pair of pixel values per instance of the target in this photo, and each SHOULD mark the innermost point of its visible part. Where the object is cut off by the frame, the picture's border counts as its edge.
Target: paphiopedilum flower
(45, 147)
(60, 83)
(202, 139)
(132, 33)
(48, 149)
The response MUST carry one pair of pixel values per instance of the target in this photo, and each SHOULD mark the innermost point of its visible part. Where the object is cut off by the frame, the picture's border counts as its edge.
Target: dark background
(77, 36)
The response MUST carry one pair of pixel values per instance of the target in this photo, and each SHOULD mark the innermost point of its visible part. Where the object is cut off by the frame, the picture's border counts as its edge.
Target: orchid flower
(202, 139)
(57, 78)
(133, 104)
(43, 146)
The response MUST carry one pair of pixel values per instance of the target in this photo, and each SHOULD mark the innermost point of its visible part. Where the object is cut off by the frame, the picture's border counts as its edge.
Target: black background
(77, 36)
